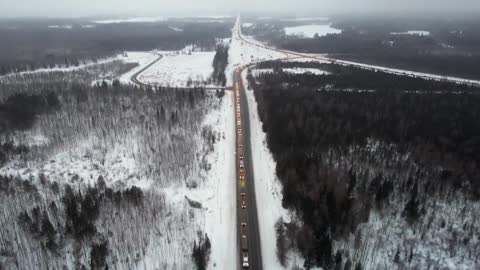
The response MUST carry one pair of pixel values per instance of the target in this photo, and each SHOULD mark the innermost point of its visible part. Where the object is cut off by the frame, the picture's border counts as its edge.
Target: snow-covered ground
(397, 71)
(63, 68)
(267, 186)
(303, 19)
(216, 196)
(268, 190)
(132, 20)
(412, 32)
(141, 58)
(314, 71)
(182, 70)
(310, 31)
(244, 53)
(66, 26)
(176, 29)
(161, 234)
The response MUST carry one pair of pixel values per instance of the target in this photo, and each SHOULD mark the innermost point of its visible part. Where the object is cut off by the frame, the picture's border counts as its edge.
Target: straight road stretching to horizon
(247, 216)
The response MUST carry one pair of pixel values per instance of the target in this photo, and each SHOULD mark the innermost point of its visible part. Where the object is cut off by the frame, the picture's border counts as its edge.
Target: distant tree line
(350, 77)
(450, 49)
(31, 47)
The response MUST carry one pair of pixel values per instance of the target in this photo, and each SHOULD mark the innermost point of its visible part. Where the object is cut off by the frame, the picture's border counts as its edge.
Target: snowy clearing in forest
(309, 31)
(413, 33)
(296, 70)
(180, 70)
(141, 58)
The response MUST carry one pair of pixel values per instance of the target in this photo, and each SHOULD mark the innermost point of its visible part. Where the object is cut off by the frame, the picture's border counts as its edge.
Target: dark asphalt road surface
(248, 215)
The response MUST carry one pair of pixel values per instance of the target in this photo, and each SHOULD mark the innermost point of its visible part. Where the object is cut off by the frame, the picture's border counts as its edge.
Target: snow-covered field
(66, 26)
(314, 71)
(131, 20)
(180, 70)
(412, 32)
(303, 19)
(310, 31)
(141, 58)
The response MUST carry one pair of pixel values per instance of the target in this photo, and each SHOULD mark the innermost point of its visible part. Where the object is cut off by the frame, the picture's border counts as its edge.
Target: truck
(244, 243)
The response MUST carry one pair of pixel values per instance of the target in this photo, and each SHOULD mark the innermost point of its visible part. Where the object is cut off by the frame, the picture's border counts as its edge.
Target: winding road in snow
(134, 77)
(136, 81)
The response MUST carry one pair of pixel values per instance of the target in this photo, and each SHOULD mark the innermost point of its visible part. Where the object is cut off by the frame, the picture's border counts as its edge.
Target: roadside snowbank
(268, 189)
(221, 210)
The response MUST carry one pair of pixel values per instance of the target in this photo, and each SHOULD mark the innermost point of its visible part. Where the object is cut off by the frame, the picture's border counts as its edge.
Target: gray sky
(76, 8)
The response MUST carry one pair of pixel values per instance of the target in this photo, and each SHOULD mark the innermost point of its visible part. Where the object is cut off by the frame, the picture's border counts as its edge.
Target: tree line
(220, 62)
(312, 123)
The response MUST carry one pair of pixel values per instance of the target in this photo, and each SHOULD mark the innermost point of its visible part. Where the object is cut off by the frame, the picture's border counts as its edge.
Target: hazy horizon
(127, 8)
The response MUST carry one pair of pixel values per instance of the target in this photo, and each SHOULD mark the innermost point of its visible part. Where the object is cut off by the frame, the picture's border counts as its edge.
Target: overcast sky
(78, 8)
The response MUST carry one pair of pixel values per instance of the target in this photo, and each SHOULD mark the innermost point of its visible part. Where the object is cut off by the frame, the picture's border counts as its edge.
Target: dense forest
(354, 143)
(450, 49)
(77, 162)
(34, 45)
(220, 62)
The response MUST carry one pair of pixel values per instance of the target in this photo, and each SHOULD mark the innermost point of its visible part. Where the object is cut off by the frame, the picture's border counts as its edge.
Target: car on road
(244, 241)
(241, 157)
(241, 164)
(243, 205)
(245, 263)
(242, 194)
